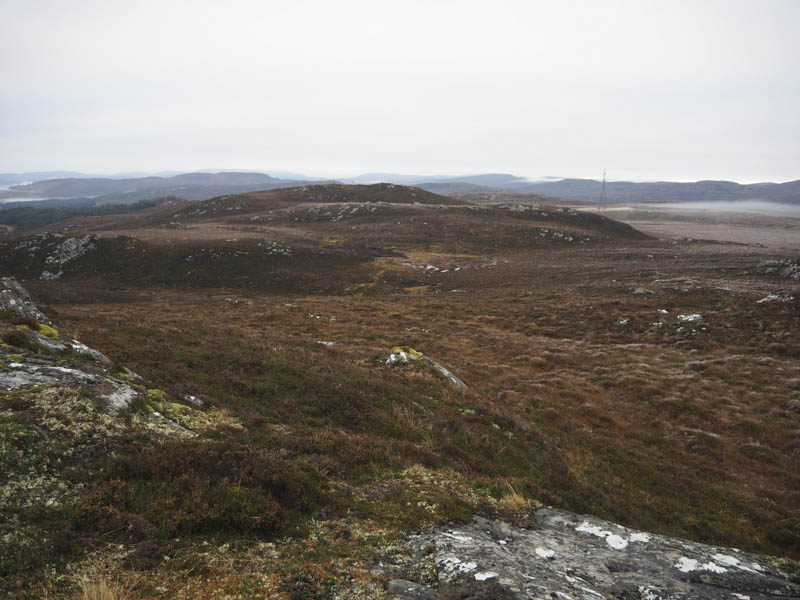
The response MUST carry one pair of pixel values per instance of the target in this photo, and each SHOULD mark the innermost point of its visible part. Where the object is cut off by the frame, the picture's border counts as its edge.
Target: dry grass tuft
(101, 589)
(513, 501)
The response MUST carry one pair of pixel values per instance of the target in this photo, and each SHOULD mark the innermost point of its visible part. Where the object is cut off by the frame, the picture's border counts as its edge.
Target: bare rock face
(570, 556)
(15, 299)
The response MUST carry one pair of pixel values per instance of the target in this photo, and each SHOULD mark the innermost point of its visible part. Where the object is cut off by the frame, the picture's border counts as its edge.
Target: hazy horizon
(650, 91)
(284, 174)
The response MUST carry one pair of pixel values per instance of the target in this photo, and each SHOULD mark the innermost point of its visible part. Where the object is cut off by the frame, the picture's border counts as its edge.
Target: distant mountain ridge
(77, 189)
(106, 190)
(589, 190)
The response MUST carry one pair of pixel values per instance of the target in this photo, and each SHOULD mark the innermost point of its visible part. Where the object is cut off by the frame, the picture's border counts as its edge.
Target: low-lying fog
(742, 206)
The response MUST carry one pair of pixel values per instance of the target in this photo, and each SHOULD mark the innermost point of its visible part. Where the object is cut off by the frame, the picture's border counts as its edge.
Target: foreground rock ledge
(571, 556)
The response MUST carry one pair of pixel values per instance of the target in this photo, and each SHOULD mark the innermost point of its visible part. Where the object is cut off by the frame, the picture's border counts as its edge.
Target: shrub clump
(196, 487)
(19, 338)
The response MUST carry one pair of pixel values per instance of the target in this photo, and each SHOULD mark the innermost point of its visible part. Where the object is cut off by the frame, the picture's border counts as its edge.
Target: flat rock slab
(27, 374)
(575, 557)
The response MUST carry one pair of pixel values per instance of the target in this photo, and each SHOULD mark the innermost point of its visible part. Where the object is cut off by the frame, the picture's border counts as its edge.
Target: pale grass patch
(98, 588)
(512, 501)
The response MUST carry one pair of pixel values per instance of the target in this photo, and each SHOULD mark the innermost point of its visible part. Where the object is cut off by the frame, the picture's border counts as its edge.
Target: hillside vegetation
(606, 372)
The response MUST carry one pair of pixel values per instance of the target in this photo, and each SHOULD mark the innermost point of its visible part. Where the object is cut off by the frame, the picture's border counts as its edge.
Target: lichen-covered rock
(402, 354)
(580, 557)
(15, 299)
(406, 354)
(27, 374)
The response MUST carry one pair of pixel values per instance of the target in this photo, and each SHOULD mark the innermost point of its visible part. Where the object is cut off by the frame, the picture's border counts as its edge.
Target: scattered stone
(785, 268)
(439, 368)
(159, 418)
(81, 348)
(134, 376)
(194, 400)
(49, 276)
(402, 354)
(690, 318)
(120, 399)
(775, 298)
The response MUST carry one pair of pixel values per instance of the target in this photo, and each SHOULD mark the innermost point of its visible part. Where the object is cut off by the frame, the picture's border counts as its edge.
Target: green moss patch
(48, 331)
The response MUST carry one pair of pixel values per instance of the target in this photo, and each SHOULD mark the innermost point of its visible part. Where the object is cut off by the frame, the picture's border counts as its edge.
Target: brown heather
(582, 393)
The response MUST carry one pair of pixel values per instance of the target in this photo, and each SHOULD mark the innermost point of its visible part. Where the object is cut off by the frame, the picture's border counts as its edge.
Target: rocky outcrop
(34, 354)
(784, 268)
(15, 299)
(569, 556)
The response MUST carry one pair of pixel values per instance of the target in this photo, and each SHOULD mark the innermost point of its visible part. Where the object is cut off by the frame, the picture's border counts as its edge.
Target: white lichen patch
(690, 318)
(451, 567)
(615, 541)
(587, 527)
(687, 565)
(732, 561)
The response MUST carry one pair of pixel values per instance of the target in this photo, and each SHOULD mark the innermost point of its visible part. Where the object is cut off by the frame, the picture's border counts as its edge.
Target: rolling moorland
(571, 360)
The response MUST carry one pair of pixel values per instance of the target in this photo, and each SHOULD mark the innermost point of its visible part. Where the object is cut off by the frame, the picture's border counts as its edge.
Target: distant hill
(17, 178)
(455, 187)
(313, 194)
(82, 190)
(488, 181)
(106, 190)
(589, 190)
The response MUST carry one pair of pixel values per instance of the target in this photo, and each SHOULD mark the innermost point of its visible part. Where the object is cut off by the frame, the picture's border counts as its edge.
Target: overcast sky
(672, 89)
